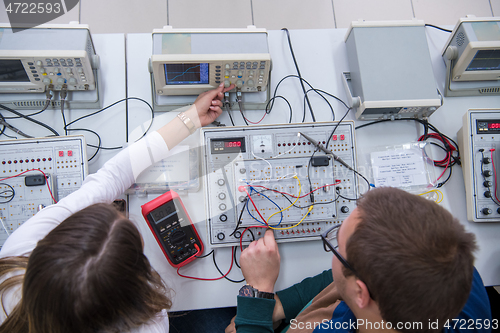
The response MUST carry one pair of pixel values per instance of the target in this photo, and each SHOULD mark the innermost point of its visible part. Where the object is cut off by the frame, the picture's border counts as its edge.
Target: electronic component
(171, 226)
(189, 62)
(479, 142)
(391, 72)
(59, 56)
(267, 160)
(472, 53)
(62, 159)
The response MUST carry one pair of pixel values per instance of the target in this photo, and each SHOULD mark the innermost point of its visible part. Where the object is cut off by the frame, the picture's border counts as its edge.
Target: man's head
(410, 255)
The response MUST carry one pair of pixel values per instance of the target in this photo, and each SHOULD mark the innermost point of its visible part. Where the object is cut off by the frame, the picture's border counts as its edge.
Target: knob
(487, 194)
(69, 71)
(240, 73)
(222, 206)
(344, 209)
(239, 84)
(487, 173)
(222, 196)
(42, 70)
(226, 73)
(228, 66)
(72, 81)
(250, 83)
(243, 170)
(498, 210)
(223, 218)
(39, 63)
(80, 70)
(221, 236)
(57, 70)
(486, 160)
(486, 211)
(226, 83)
(487, 183)
(61, 80)
(221, 182)
(47, 81)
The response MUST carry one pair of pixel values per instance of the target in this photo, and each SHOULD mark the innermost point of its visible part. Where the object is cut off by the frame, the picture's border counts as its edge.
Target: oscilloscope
(55, 56)
(189, 62)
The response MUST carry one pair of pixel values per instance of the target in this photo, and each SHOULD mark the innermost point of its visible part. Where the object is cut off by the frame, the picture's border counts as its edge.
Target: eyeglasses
(330, 243)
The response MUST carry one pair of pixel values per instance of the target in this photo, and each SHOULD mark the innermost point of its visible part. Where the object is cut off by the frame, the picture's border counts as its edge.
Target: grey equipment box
(391, 72)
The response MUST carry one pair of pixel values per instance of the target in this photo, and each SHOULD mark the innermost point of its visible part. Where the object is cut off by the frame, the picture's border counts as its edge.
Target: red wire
(251, 122)
(253, 203)
(241, 237)
(495, 173)
(46, 180)
(205, 279)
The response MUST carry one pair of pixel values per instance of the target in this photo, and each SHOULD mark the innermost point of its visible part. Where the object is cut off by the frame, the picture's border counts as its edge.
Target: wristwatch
(249, 291)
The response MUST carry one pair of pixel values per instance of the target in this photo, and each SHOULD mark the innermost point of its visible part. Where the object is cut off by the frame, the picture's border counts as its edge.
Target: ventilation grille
(38, 104)
(460, 38)
(490, 90)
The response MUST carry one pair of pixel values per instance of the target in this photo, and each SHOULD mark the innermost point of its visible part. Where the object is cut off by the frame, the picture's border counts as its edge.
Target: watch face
(247, 291)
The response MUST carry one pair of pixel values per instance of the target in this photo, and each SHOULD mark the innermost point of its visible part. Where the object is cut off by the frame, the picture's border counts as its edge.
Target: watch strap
(249, 291)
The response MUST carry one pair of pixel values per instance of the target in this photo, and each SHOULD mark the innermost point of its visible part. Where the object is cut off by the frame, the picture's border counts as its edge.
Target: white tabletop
(322, 57)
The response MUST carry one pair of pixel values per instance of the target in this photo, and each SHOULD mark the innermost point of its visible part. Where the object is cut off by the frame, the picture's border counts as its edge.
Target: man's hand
(208, 104)
(260, 263)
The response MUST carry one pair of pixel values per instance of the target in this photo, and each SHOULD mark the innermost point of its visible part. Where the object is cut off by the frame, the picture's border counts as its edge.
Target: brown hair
(89, 274)
(414, 256)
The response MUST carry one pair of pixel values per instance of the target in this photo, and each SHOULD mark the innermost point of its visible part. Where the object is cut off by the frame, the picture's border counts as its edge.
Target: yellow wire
(308, 211)
(439, 193)
(300, 189)
(293, 226)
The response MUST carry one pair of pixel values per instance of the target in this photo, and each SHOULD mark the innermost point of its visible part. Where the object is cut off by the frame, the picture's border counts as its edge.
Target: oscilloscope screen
(189, 73)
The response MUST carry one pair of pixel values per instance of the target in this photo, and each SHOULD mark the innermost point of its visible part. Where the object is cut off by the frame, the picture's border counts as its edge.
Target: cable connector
(64, 91)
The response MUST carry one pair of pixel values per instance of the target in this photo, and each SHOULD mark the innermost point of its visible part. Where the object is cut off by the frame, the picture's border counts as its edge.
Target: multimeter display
(173, 229)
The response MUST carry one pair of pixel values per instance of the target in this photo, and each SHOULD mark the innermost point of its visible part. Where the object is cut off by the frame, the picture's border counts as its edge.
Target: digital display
(196, 73)
(164, 212)
(485, 60)
(229, 145)
(12, 71)
(488, 126)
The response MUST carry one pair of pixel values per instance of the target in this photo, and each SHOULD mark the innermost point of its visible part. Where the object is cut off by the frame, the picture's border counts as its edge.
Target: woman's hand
(208, 104)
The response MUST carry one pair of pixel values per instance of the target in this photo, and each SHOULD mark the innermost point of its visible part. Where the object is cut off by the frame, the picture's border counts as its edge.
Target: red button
(334, 137)
(70, 153)
(342, 137)
(61, 153)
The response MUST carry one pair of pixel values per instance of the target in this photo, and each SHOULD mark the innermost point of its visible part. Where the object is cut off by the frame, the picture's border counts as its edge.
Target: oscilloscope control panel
(62, 159)
(479, 141)
(276, 162)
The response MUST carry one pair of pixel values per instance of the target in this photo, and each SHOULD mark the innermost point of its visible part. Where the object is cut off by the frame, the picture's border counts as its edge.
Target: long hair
(416, 258)
(89, 274)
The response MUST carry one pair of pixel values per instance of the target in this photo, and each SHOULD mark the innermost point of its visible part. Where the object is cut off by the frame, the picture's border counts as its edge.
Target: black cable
(436, 27)
(238, 223)
(204, 256)
(234, 256)
(98, 138)
(30, 119)
(9, 197)
(287, 102)
(298, 72)
(327, 102)
(222, 274)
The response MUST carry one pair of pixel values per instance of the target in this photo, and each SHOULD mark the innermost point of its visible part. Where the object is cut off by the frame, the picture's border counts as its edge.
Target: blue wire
(265, 196)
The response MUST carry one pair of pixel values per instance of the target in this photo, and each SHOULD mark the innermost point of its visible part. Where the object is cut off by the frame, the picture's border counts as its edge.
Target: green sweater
(256, 314)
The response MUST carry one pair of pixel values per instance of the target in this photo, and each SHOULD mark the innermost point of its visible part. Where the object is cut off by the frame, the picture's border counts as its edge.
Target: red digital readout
(494, 125)
(231, 144)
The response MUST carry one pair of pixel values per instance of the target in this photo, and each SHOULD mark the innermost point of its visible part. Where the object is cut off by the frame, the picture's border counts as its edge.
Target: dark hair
(89, 274)
(416, 258)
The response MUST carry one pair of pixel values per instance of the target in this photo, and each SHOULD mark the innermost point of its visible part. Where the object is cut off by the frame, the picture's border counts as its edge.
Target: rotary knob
(486, 211)
(344, 209)
(222, 196)
(222, 206)
(223, 218)
(487, 173)
(221, 236)
(221, 182)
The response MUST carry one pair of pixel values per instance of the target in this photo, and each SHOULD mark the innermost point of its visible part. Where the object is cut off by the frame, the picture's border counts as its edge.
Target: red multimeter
(175, 233)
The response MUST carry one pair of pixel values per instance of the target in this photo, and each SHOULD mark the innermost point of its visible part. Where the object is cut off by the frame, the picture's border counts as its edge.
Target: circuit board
(62, 160)
(271, 173)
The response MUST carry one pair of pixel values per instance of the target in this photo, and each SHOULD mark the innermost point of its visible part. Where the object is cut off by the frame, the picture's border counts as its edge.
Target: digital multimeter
(175, 233)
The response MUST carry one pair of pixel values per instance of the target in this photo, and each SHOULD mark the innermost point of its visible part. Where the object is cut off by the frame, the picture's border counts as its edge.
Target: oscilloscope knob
(486, 211)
